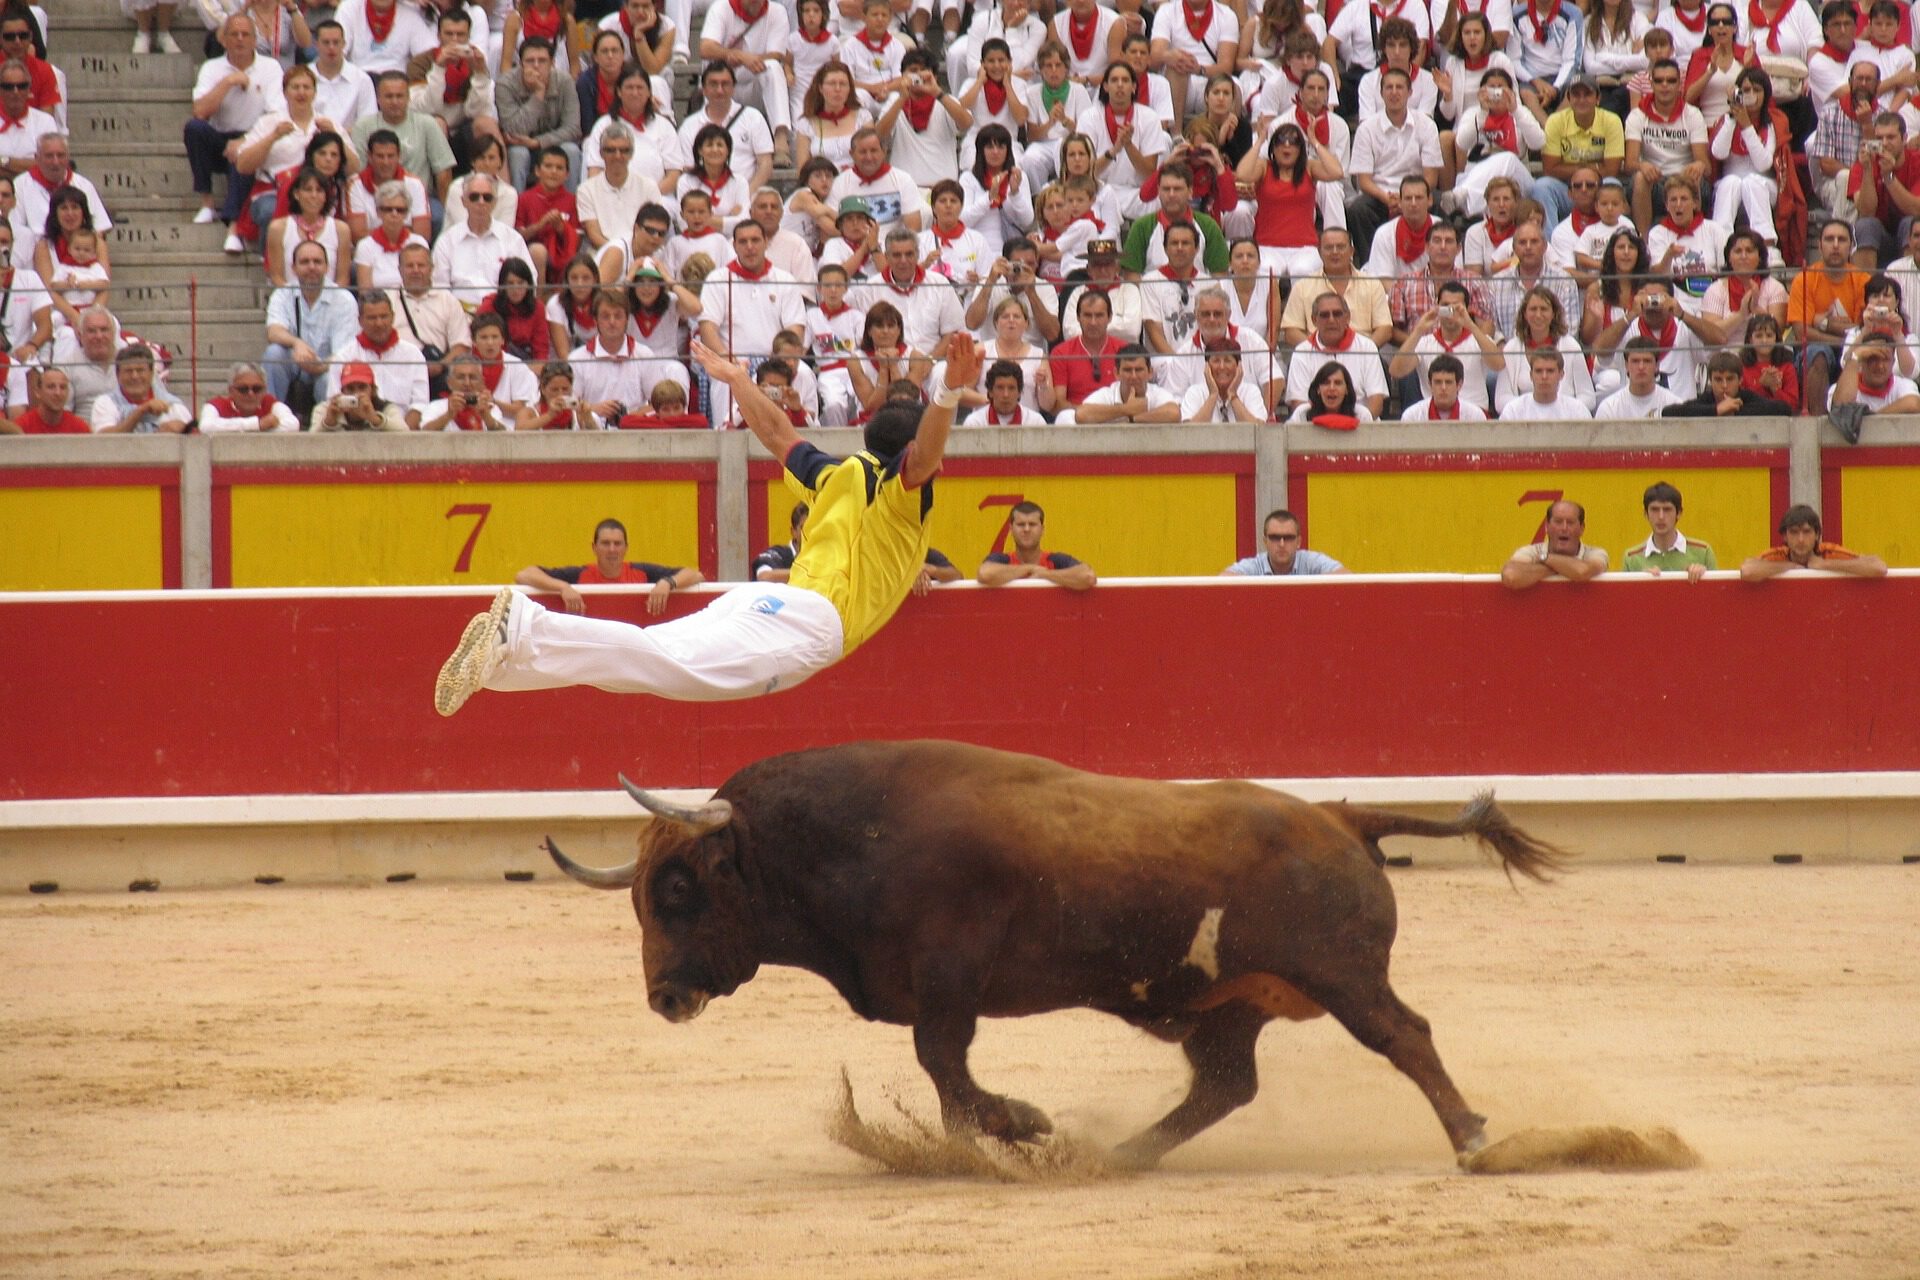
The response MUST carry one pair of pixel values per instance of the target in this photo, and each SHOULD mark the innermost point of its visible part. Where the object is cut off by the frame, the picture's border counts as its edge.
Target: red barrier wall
(210, 694)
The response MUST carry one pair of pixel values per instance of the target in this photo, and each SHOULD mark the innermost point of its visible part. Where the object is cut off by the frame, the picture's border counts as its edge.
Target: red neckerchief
(65, 256)
(48, 187)
(1167, 272)
(1496, 236)
(1581, 221)
(949, 238)
(919, 110)
(1382, 13)
(1003, 181)
(1114, 122)
(393, 339)
(379, 236)
(835, 117)
(1867, 388)
(1652, 112)
(469, 420)
(491, 374)
(919, 274)
(1457, 343)
(1197, 24)
(740, 12)
(1345, 344)
(9, 123)
(367, 179)
(602, 95)
(1695, 26)
(995, 420)
(638, 126)
(1082, 41)
(547, 27)
(715, 187)
(1318, 126)
(1689, 229)
(1502, 129)
(1665, 337)
(1739, 135)
(458, 75)
(832, 313)
(1757, 18)
(886, 38)
(1479, 63)
(1436, 414)
(994, 92)
(379, 26)
(1840, 56)
(822, 38)
(735, 268)
(647, 321)
(1088, 216)
(1541, 24)
(224, 406)
(1409, 241)
(875, 176)
(626, 25)
(1736, 290)
(581, 313)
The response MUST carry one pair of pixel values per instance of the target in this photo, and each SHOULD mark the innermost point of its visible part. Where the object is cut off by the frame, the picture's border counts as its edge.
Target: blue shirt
(325, 325)
(1305, 563)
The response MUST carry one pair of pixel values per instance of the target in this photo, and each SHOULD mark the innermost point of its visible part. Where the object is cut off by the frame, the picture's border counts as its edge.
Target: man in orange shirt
(610, 564)
(1800, 528)
(1825, 302)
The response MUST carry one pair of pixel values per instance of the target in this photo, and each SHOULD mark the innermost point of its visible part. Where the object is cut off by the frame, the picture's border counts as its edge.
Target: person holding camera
(357, 406)
(468, 405)
(1683, 339)
(1845, 122)
(1882, 184)
(1448, 329)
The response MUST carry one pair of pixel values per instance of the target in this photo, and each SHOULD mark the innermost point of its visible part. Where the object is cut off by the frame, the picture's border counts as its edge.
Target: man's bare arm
(767, 420)
(936, 421)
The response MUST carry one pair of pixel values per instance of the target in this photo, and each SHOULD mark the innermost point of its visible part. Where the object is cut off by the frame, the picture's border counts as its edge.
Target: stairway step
(160, 235)
(74, 13)
(176, 299)
(95, 75)
(137, 117)
(154, 173)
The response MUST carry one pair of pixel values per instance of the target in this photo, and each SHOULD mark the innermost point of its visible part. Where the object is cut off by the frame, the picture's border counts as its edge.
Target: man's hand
(963, 362)
(1728, 405)
(571, 597)
(1696, 571)
(718, 367)
(923, 583)
(657, 598)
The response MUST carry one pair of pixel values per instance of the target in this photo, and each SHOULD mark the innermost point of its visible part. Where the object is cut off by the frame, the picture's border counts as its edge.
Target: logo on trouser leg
(768, 605)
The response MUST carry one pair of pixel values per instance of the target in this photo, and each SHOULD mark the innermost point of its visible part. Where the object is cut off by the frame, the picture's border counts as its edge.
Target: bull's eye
(676, 892)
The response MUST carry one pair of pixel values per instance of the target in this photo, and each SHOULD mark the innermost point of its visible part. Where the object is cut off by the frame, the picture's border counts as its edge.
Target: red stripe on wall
(478, 472)
(172, 552)
(87, 477)
(1545, 460)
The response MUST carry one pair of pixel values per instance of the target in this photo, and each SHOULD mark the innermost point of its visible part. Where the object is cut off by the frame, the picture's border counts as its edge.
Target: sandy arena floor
(432, 1080)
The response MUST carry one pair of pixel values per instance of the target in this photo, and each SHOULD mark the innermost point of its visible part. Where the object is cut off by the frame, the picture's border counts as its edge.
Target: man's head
(1444, 376)
(454, 28)
(767, 208)
(1584, 186)
(416, 269)
(376, 316)
(1416, 199)
(1529, 247)
(464, 378)
(716, 85)
(1330, 317)
(750, 244)
(1095, 312)
(869, 151)
(1583, 97)
(1133, 366)
(1800, 529)
(1212, 313)
(1723, 375)
(1177, 198)
(1655, 300)
(1839, 23)
(53, 157)
(310, 265)
(15, 85)
(610, 548)
(330, 38)
(1182, 243)
(1875, 353)
(536, 63)
(479, 197)
(247, 386)
(236, 38)
(1280, 533)
(650, 229)
(1661, 503)
(1394, 89)
(610, 315)
(797, 521)
(1890, 131)
(383, 154)
(1005, 382)
(1643, 365)
(1546, 369)
(1443, 245)
(903, 255)
(1566, 526)
(99, 334)
(1836, 243)
(390, 96)
(134, 368)
(1027, 524)
(1666, 78)
(1336, 251)
(54, 393)
(1454, 302)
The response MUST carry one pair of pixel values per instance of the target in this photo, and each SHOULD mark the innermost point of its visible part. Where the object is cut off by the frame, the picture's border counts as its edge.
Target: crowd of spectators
(1265, 210)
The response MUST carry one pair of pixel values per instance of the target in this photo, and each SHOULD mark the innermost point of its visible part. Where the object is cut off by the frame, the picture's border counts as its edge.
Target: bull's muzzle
(676, 1003)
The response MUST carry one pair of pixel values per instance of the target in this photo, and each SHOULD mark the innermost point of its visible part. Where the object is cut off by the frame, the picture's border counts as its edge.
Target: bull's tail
(1481, 819)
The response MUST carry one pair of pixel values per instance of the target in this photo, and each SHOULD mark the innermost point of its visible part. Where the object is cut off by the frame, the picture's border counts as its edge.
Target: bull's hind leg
(1379, 1020)
(1224, 1079)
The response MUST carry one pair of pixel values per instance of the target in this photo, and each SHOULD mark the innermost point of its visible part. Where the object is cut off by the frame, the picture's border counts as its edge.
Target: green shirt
(1213, 245)
(1686, 551)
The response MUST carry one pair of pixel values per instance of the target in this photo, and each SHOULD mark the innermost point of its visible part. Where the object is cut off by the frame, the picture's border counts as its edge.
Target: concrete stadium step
(128, 117)
(107, 30)
(150, 226)
(92, 76)
(176, 298)
(121, 171)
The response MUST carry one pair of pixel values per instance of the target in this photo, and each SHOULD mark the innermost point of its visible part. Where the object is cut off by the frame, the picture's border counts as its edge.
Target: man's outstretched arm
(767, 420)
(930, 443)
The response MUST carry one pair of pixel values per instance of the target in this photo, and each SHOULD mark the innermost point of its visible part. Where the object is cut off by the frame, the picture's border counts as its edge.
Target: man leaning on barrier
(1284, 556)
(1560, 554)
(1666, 548)
(1802, 548)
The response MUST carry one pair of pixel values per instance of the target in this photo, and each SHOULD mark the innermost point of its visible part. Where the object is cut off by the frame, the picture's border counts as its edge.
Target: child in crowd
(548, 217)
(666, 407)
(1768, 366)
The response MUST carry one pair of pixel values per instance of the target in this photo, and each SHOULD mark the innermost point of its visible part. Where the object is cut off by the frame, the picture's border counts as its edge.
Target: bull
(935, 883)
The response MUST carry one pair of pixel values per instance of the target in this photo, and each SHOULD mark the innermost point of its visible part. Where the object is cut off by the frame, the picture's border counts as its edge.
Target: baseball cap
(855, 204)
(1583, 82)
(647, 270)
(358, 371)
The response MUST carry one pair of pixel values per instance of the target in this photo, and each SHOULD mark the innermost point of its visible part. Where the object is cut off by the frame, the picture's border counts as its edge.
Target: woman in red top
(518, 303)
(1284, 193)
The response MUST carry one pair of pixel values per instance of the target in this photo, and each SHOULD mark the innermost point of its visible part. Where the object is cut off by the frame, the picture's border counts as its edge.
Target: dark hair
(1004, 369)
(1285, 132)
(1660, 491)
(1279, 513)
(1616, 286)
(653, 211)
(1777, 354)
(1316, 405)
(608, 523)
(538, 42)
(946, 187)
(383, 137)
(1725, 362)
(1798, 514)
(1133, 351)
(1027, 509)
(881, 313)
(1131, 75)
(776, 366)
(387, 76)
(707, 133)
(818, 163)
(989, 135)
(1447, 364)
(892, 428)
(489, 319)
(547, 151)
(515, 269)
(63, 196)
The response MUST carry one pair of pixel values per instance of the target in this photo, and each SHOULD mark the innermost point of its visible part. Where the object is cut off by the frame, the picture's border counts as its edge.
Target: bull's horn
(599, 877)
(710, 816)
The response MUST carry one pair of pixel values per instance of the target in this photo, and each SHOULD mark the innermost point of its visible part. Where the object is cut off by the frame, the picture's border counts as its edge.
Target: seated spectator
(611, 370)
(609, 203)
(1581, 135)
(1102, 273)
(1397, 39)
(1331, 401)
(1286, 182)
(1826, 300)
(1726, 395)
(710, 157)
(1844, 123)
(22, 125)
(23, 43)
(1132, 396)
(134, 404)
(775, 378)
(1683, 339)
(1869, 380)
(1167, 292)
(1006, 391)
(701, 235)
(1334, 341)
(516, 304)
(1395, 144)
(399, 367)
(450, 85)
(1443, 403)
(610, 565)
(651, 40)
(1545, 48)
(808, 215)
(1666, 138)
(152, 31)
(358, 405)
(376, 259)
(546, 19)
(1666, 548)
(68, 213)
(1226, 391)
(1084, 364)
(892, 196)
(655, 154)
(343, 92)
(1494, 139)
(885, 357)
(1448, 328)
(1364, 297)
(79, 276)
(431, 318)
(1804, 549)
(569, 312)
(1284, 557)
(751, 140)
(246, 406)
(468, 254)
(666, 409)
(548, 218)
(1885, 314)
(506, 377)
(1560, 554)
(383, 168)
(48, 414)
(556, 408)
(278, 145)
(87, 353)
(1009, 345)
(775, 564)
(468, 405)
(309, 223)
(1488, 246)
(875, 54)
(1586, 248)
(1688, 247)
(1171, 205)
(230, 95)
(1026, 527)
(597, 81)
(1712, 65)
(1882, 186)
(997, 202)
(383, 35)
(1746, 292)
(1546, 402)
(490, 160)
(424, 151)
(1541, 326)
(1768, 363)
(538, 109)
(1753, 144)
(755, 37)
(1643, 396)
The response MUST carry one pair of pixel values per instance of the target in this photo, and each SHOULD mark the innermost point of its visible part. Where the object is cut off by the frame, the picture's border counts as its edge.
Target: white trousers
(755, 639)
(1470, 190)
(1299, 262)
(1754, 192)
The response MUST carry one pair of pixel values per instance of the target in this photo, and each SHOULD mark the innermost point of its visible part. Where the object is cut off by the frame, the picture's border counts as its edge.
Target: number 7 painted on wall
(1548, 496)
(482, 509)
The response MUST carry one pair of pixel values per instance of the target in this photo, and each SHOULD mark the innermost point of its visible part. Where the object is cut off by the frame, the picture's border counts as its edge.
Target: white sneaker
(482, 645)
(205, 216)
(234, 245)
(143, 42)
(166, 42)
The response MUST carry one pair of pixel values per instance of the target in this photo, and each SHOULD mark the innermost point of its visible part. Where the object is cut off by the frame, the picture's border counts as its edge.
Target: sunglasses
(1329, 315)
(14, 86)
(479, 198)
(393, 208)
(241, 388)
(1719, 22)
(12, 37)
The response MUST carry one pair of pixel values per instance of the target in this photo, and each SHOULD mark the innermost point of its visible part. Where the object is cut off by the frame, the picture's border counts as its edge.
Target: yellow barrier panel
(343, 534)
(1122, 525)
(1471, 521)
(108, 538)
(1882, 516)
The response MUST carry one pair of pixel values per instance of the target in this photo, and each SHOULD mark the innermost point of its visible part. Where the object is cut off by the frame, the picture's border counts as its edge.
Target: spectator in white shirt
(399, 367)
(342, 91)
(892, 196)
(1445, 380)
(1006, 388)
(1643, 396)
(383, 35)
(468, 255)
(925, 124)
(1132, 396)
(929, 304)
(754, 36)
(246, 406)
(1225, 392)
(1545, 403)
(752, 159)
(1387, 148)
(230, 95)
(1128, 139)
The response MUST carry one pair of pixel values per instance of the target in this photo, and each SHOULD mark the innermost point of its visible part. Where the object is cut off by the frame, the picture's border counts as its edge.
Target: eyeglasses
(618, 150)
(395, 208)
(242, 388)
(1329, 315)
(1582, 186)
(14, 86)
(1719, 22)
(479, 197)
(11, 37)
(1283, 537)
(1666, 79)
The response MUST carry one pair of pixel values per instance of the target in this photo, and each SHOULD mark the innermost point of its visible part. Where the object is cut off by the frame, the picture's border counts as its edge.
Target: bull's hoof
(1020, 1122)
(1137, 1154)
(1471, 1146)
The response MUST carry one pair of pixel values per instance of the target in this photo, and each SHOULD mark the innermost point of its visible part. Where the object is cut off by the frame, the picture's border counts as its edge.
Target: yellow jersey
(865, 539)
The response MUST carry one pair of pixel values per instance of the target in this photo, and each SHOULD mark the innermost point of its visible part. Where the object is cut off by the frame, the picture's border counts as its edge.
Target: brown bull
(933, 883)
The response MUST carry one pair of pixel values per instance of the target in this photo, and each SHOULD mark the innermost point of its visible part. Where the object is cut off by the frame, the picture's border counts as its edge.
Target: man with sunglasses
(1284, 556)
(22, 125)
(467, 257)
(1666, 137)
(246, 406)
(17, 48)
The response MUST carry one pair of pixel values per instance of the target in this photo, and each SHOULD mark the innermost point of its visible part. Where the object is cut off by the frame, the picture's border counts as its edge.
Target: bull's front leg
(942, 1034)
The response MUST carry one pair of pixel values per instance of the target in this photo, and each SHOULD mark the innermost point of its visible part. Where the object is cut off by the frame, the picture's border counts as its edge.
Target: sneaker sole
(465, 671)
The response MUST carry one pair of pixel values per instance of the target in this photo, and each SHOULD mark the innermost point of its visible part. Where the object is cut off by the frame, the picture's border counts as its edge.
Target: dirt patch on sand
(465, 1081)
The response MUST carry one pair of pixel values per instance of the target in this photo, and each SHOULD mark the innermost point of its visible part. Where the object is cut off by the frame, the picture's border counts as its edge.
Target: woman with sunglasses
(376, 259)
(1714, 65)
(1285, 195)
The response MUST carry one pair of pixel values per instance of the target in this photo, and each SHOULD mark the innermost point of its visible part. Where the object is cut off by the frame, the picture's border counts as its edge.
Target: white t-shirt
(751, 139)
(1244, 405)
(1110, 395)
(928, 155)
(241, 108)
(1149, 138)
(411, 34)
(747, 313)
(1361, 359)
(1473, 378)
(1423, 411)
(1625, 405)
(1896, 388)
(890, 195)
(1527, 409)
